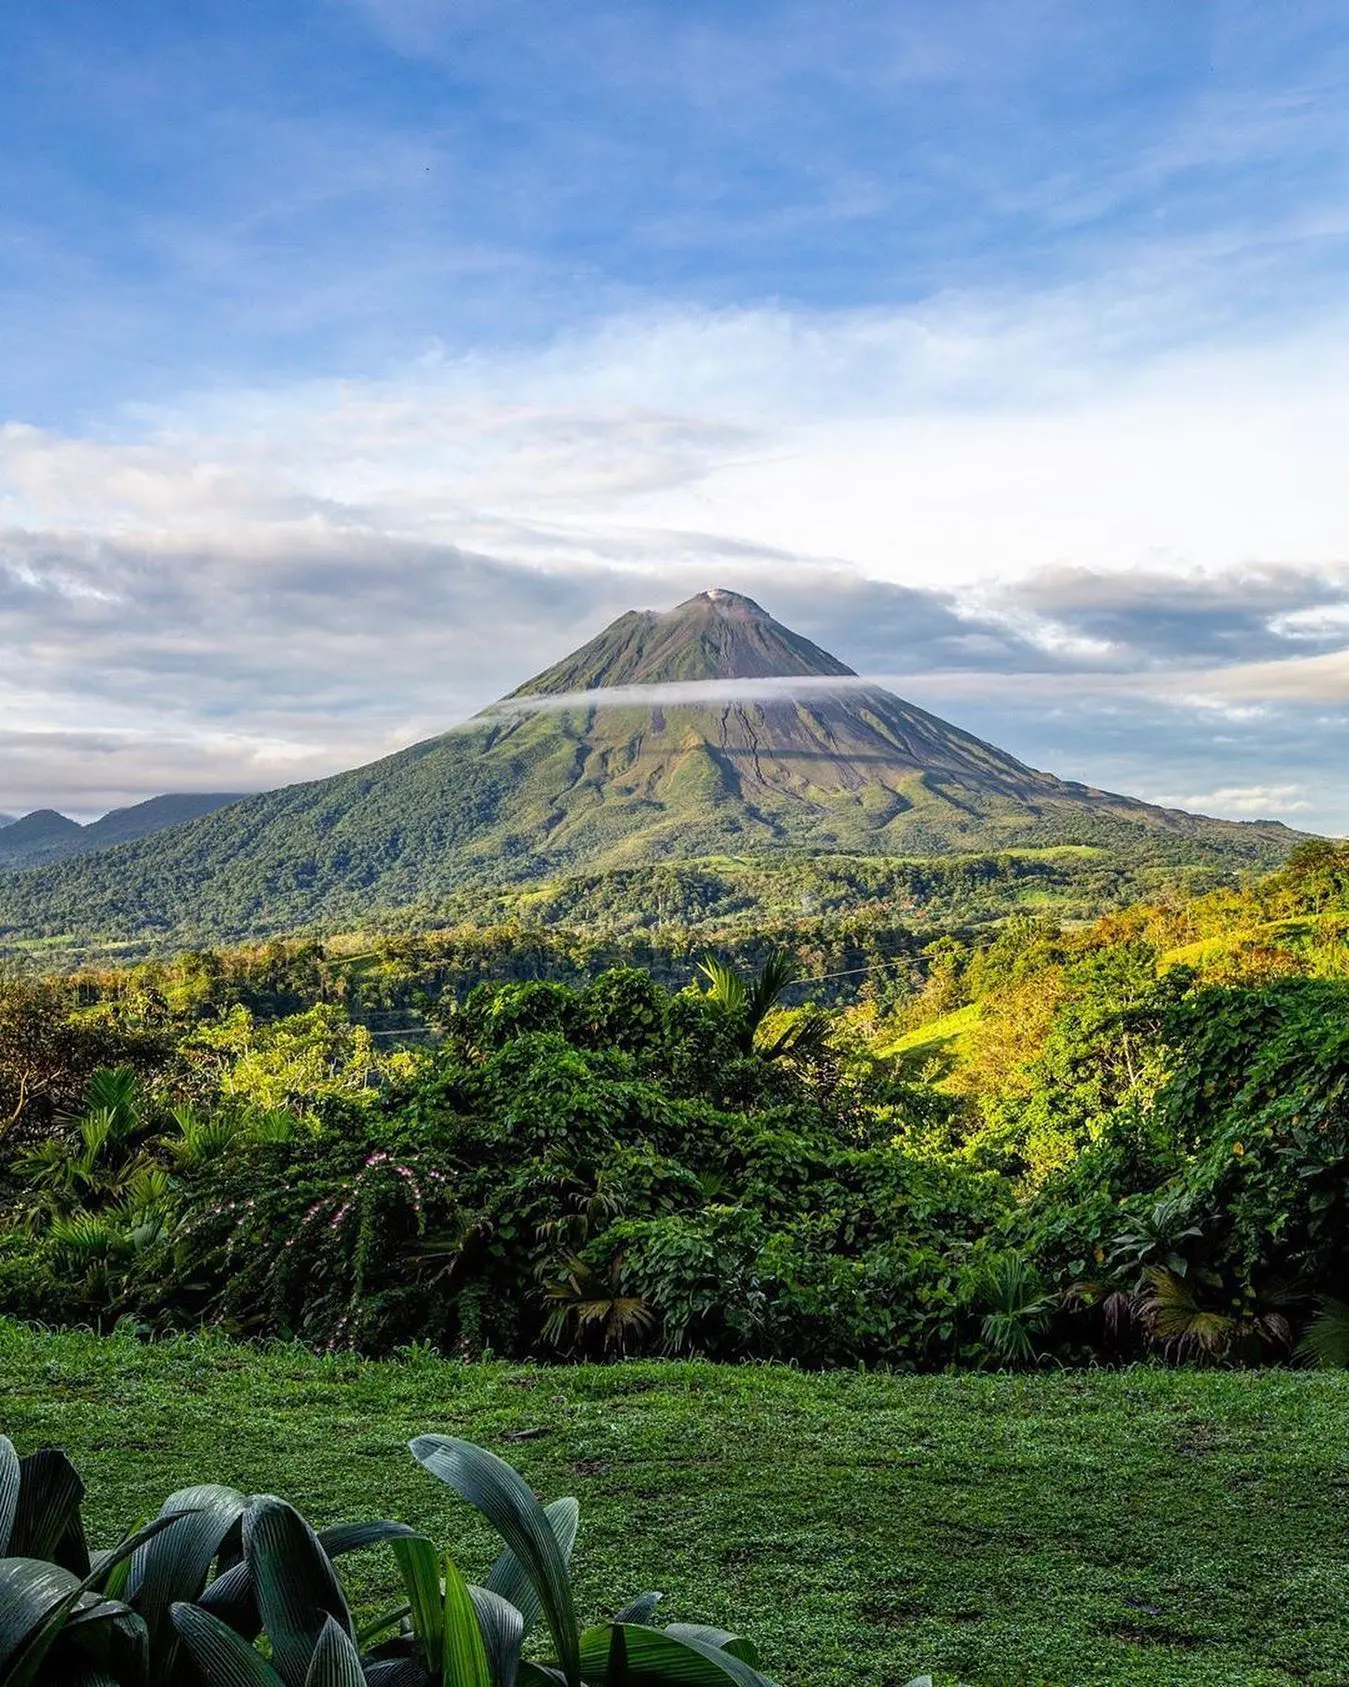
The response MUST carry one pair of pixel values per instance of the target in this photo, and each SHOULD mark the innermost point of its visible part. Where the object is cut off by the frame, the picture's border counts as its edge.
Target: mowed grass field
(1141, 1527)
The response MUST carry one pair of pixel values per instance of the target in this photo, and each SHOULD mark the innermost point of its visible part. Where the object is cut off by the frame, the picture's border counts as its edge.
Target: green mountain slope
(45, 835)
(156, 814)
(525, 791)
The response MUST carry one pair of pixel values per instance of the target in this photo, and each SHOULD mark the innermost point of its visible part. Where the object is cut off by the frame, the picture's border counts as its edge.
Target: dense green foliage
(858, 924)
(1142, 1528)
(1071, 1145)
(1036, 1143)
(605, 1166)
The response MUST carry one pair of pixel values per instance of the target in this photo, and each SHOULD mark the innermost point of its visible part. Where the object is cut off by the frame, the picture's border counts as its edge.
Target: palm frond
(777, 972)
(1326, 1342)
(98, 1127)
(148, 1186)
(197, 1137)
(273, 1124)
(85, 1235)
(1175, 1318)
(726, 988)
(1016, 1304)
(586, 1300)
(804, 1037)
(116, 1088)
(752, 1001)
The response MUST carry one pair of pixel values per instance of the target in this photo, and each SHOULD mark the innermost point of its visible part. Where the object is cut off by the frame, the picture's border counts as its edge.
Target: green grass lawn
(1140, 1527)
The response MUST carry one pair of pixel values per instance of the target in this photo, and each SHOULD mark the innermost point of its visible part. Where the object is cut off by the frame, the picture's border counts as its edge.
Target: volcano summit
(707, 729)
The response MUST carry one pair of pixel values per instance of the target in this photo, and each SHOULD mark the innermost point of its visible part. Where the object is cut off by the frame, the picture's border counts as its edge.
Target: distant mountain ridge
(45, 835)
(521, 793)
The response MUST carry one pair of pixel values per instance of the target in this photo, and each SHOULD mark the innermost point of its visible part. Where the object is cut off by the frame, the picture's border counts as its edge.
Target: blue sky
(196, 194)
(357, 357)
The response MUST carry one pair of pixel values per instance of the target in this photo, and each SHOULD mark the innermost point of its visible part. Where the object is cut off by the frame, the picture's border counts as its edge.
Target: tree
(749, 1003)
(47, 1054)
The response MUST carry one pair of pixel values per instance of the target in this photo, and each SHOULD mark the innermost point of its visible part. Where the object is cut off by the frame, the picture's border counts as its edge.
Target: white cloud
(947, 443)
(1320, 621)
(1244, 802)
(1301, 679)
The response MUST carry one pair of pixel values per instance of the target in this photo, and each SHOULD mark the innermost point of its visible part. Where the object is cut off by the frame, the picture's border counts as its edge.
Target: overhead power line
(851, 972)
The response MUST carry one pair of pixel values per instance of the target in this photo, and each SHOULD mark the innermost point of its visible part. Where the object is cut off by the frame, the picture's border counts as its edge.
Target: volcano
(706, 729)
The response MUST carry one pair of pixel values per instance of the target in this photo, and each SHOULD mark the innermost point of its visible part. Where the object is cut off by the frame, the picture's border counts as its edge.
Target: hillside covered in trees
(1087, 1143)
(44, 835)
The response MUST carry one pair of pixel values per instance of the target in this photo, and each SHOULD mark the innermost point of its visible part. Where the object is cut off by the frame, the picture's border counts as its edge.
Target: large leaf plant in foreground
(533, 1574)
(227, 1590)
(77, 1620)
(447, 1632)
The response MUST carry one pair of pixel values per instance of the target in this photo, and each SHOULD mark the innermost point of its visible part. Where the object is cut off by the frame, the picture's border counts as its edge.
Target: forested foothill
(1077, 1142)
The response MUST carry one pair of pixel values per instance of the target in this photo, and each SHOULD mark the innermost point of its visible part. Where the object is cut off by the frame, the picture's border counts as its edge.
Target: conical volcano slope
(754, 737)
(717, 635)
(708, 729)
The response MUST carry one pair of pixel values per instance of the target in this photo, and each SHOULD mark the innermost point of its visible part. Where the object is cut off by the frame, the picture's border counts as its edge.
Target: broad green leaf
(540, 1675)
(112, 1577)
(632, 1655)
(512, 1581)
(502, 1496)
(224, 1658)
(47, 1518)
(233, 1598)
(419, 1564)
(30, 1589)
(722, 1639)
(354, 1537)
(95, 1610)
(19, 1665)
(110, 1563)
(503, 1634)
(90, 1675)
(9, 1491)
(122, 1641)
(465, 1662)
(296, 1587)
(336, 1661)
(174, 1566)
(396, 1672)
